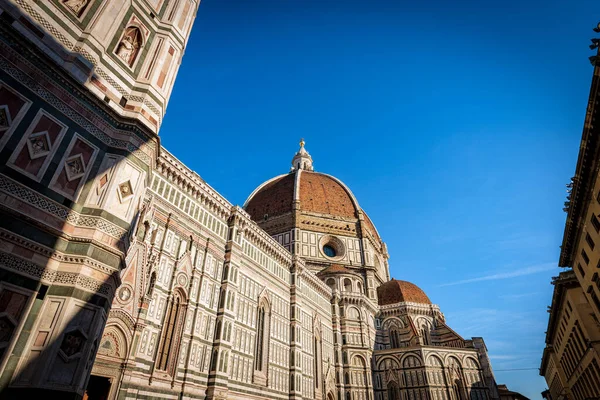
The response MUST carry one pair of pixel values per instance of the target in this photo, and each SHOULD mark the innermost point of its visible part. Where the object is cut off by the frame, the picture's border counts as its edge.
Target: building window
(317, 359)
(425, 335)
(581, 271)
(347, 285)
(394, 339)
(595, 223)
(329, 251)
(594, 297)
(262, 337)
(589, 241)
(585, 256)
(171, 332)
(393, 391)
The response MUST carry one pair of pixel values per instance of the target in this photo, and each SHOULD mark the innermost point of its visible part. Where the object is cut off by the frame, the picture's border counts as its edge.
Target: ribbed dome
(272, 198)
(316, 192)
(394, 291)
(312, 194)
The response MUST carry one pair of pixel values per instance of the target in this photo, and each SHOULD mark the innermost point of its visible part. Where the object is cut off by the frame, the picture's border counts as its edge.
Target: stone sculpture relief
(129, 45)
(77, 6)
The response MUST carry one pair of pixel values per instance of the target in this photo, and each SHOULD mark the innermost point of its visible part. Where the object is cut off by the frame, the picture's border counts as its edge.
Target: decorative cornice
(192, 184)
(562, 282)
(585, 176)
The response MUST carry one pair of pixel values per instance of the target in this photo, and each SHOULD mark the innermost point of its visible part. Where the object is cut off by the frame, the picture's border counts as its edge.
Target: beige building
(571, 358)
(125, 275)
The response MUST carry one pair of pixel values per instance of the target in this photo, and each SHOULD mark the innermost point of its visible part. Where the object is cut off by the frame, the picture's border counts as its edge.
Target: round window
(332, 248)
(329, 251)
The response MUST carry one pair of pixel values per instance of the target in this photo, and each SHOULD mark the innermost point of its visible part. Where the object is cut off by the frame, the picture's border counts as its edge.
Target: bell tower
(84, 85)
(127, 53)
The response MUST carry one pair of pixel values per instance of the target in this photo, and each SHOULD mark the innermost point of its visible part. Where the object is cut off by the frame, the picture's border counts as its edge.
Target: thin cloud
(505, 356)
(518, 296)
(506, 275)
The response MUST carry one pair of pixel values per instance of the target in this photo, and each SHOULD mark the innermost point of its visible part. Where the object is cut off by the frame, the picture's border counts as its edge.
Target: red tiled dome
(400, 291)
(323, 194)
(274, 198)
(304, 197)
(317, 193)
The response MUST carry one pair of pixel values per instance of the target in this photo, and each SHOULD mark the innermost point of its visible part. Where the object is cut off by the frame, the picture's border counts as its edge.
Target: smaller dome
(394, 291)
(334, 269)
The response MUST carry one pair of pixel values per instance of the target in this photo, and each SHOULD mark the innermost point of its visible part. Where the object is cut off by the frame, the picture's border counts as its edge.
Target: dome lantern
(302, 160)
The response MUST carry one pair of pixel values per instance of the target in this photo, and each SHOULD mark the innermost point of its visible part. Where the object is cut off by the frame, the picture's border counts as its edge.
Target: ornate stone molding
(32, 270)
(33, 198)
(123, 316)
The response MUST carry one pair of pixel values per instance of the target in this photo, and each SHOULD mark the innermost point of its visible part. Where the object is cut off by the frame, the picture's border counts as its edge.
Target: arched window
(347, 285)
(331, 283)
(218, 331)
(425, 331)
(261, 352)
(455, 370)
(167, 353)
(260, 339)
(359, 372)
(359, 287)
(393, 391)
(456, 388)
(317, 359)
(394, 338)
(425, 335)
(151, 284)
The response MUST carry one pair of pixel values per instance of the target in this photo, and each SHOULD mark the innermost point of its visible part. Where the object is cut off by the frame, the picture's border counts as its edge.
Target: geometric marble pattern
(38, 145)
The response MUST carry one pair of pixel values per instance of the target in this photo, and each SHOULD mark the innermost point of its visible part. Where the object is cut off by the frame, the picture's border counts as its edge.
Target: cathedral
(124, 275)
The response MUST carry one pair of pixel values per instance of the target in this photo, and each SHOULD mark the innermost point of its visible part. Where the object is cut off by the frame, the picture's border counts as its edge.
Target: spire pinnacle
(302, 160)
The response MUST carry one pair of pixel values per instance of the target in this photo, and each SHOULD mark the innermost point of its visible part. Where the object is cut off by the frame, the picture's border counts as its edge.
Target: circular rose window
(332, 247)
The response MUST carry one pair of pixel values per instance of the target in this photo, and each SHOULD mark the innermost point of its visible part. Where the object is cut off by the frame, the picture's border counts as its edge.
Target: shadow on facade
(60, 255)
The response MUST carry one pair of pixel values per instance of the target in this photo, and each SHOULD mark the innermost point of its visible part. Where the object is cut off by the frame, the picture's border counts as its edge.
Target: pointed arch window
(260, 339)
(394, 339)
(425, 335)
(151, 284)
(393, 391)
(261, 352)
(168, 350)
(317, 359)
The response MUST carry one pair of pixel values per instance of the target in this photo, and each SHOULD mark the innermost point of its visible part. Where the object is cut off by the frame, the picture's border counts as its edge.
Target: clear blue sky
(455, 123)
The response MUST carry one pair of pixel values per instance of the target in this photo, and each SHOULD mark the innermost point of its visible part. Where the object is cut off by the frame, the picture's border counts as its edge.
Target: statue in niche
(130, 44)
(77, 6)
